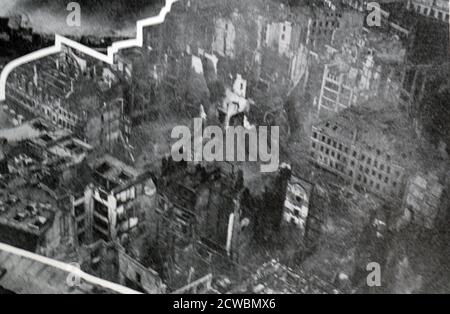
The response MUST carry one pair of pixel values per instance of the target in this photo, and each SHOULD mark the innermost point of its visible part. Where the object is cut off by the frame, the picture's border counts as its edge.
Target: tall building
(119, 200)
(202, 204)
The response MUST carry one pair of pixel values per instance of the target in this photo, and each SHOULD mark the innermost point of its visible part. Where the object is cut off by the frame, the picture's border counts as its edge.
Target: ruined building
(423, 200)
(372, 148)
(72, 92)
(338, 89)
(202, 203)
(358, 152)
(297, 203)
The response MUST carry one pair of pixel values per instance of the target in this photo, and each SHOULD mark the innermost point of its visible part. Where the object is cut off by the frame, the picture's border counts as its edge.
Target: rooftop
(190, 185)
(54, 151)
(112, 173)
(384, 129)
(30, 211)
(70, 147)
(50, 137)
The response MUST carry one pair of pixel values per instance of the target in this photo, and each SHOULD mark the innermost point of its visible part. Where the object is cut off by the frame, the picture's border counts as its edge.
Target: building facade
(338, 146)
(119, 200)
(338, 90)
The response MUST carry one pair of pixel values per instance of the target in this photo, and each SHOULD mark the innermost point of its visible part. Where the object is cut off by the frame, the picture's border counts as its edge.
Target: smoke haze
(98, 17)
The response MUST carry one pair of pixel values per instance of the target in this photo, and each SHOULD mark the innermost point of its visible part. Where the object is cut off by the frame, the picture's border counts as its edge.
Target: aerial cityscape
(224, 147)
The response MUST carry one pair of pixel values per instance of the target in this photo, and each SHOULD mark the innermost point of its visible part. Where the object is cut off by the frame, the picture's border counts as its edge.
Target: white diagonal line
(70, 269)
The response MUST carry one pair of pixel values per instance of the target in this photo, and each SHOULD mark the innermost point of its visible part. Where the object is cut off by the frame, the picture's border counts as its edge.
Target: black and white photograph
(236, 149)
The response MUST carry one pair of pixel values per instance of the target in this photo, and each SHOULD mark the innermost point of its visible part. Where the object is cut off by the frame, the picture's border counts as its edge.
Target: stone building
(119, 200)
(365, 147)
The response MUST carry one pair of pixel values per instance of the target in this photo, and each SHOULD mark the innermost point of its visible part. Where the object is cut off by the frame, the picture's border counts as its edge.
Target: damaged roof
(384, 129)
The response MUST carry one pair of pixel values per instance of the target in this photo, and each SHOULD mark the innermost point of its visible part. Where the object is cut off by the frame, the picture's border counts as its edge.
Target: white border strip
(108, 58)
(70, 269)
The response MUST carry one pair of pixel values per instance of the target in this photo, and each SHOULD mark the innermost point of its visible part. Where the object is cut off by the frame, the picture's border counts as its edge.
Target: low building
(321, 27)
(338, 89)
(225, 37)
(99, 112)
(54, 162)
(426, 46)
(30, 219)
